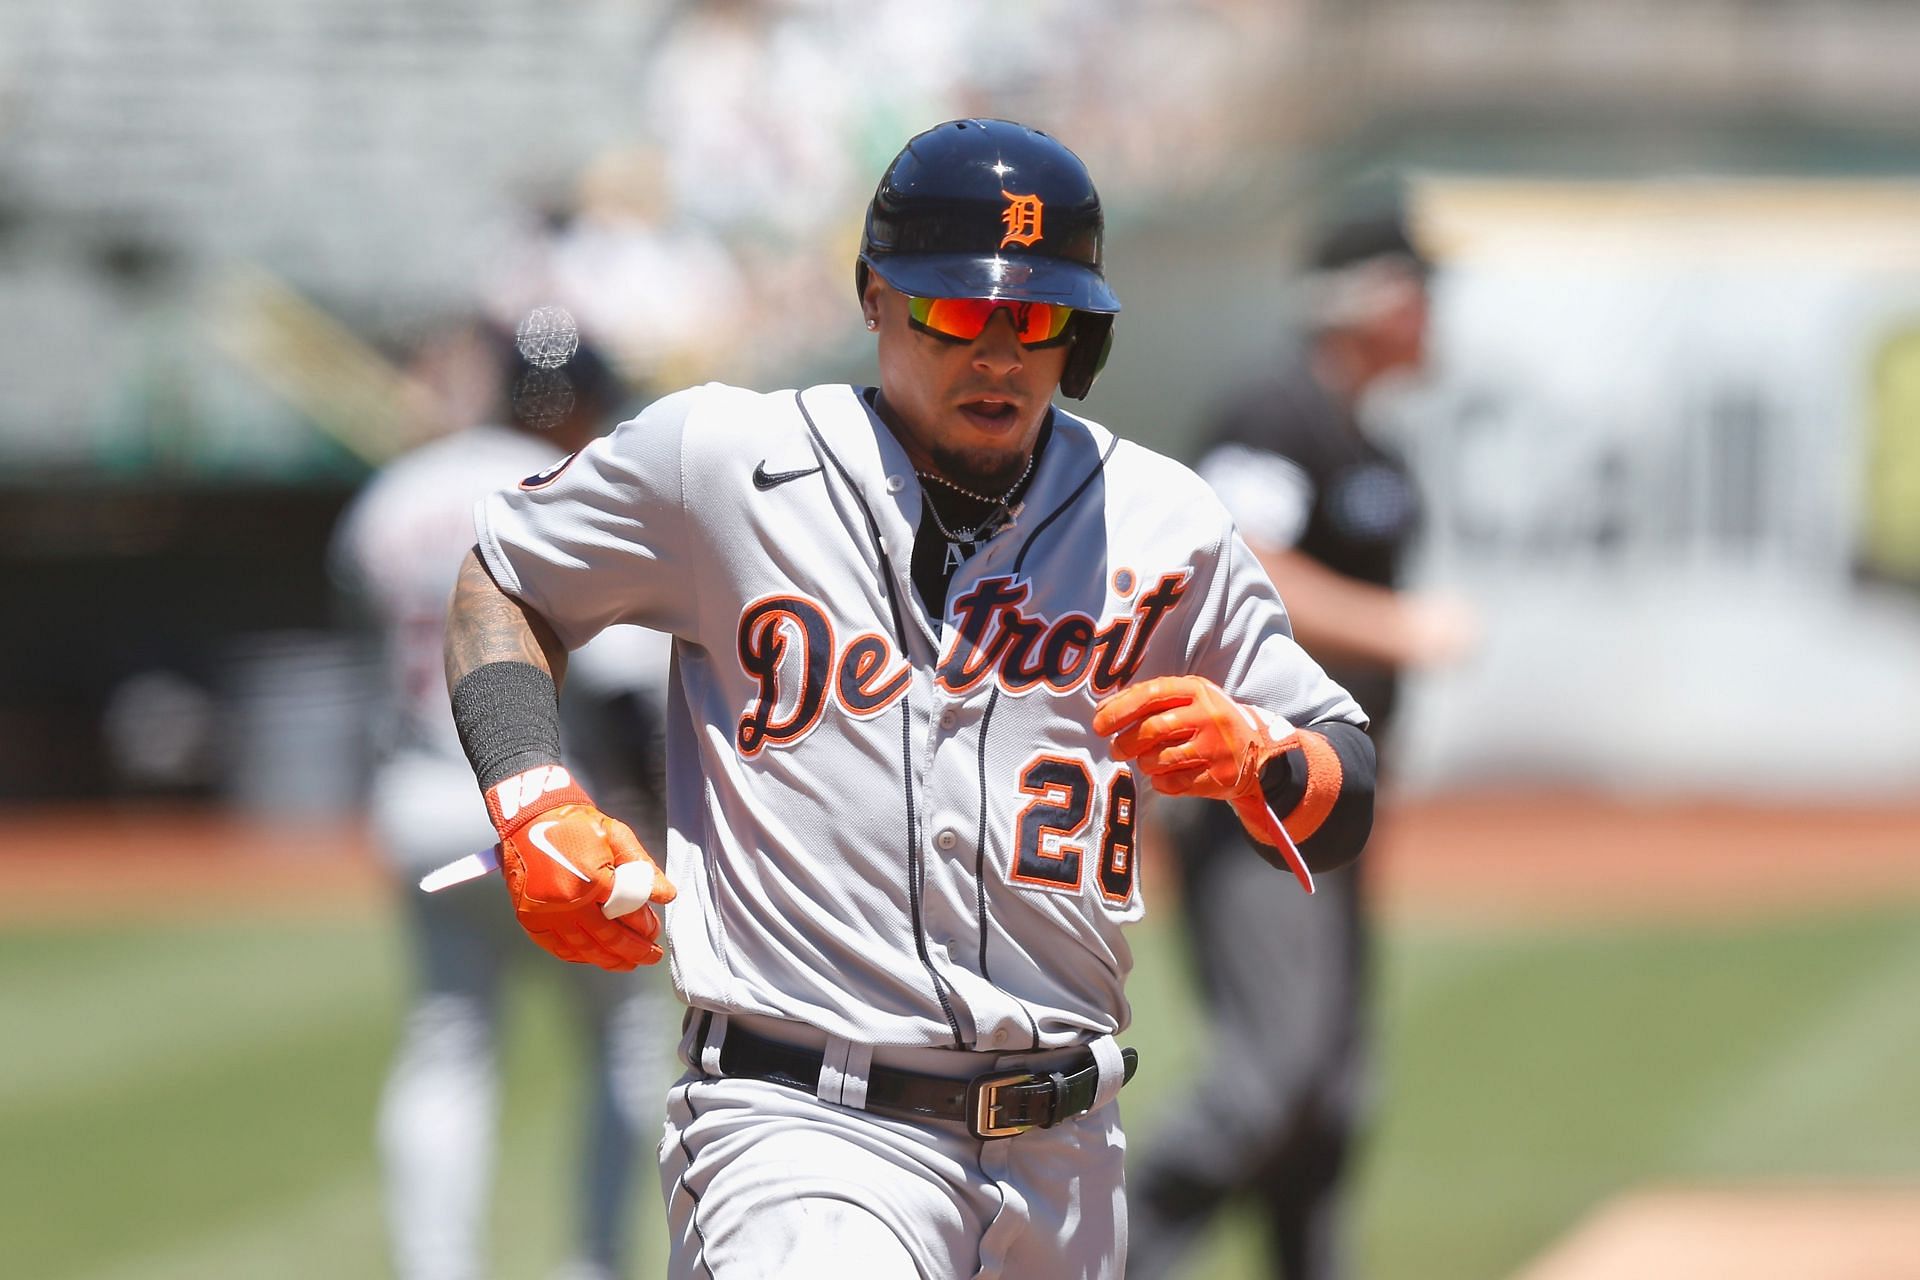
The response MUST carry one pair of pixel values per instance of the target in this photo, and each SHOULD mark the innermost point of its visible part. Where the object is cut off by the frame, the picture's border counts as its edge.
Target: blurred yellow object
(1890, 516)
(305, 356)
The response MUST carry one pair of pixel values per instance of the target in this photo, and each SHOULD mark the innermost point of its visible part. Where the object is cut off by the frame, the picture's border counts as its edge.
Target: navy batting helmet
(993, 209)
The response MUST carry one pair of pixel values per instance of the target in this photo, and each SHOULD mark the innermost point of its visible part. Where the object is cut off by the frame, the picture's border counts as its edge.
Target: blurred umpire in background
(1330, 513)
(396, 554)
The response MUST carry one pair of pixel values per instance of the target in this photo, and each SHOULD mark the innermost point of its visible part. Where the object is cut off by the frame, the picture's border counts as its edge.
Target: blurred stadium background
(1652, 869)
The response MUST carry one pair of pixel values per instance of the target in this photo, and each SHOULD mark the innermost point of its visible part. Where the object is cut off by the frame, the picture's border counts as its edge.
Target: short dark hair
(1362, 237)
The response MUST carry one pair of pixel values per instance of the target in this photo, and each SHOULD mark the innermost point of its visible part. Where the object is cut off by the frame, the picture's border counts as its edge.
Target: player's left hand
(1189, 737)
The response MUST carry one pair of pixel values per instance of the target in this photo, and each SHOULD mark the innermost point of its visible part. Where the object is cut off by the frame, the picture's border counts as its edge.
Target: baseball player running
(930, 640)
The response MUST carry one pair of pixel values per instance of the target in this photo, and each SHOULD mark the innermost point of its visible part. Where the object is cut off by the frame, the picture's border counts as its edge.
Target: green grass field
(195, 1100)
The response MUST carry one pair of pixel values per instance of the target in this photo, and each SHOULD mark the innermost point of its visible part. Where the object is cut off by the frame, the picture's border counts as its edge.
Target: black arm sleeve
(1343, 832)
(508, 715)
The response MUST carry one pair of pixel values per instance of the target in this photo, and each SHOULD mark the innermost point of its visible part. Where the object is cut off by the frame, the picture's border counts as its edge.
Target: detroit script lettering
(993, 637)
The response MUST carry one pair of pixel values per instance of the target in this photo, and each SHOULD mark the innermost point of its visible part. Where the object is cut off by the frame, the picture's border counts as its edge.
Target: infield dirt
(1527, 857)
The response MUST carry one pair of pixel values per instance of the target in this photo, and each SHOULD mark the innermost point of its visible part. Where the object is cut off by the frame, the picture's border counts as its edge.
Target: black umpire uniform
(1272, 1119)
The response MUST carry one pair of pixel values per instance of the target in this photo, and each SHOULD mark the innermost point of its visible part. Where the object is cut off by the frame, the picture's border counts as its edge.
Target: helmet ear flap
(1092, 343)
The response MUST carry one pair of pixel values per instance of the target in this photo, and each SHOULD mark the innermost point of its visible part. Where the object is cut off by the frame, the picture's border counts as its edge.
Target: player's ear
(871, 286)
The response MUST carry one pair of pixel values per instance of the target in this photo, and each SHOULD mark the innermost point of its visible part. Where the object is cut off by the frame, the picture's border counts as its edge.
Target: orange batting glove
(580, 880)
(1191, 739)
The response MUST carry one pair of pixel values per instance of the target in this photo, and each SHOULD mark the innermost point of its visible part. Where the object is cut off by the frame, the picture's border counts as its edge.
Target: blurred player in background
(1330, 513)
(396, 553)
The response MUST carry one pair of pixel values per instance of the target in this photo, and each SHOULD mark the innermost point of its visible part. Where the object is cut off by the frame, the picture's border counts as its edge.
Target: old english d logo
(1022, 218)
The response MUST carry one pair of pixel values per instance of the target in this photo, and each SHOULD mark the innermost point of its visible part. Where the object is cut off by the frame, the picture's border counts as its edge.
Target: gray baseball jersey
(897, 828)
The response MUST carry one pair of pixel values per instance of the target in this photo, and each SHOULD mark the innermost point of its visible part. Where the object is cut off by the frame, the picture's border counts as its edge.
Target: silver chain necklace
(998, 505)
(972, 533)
(965, 492)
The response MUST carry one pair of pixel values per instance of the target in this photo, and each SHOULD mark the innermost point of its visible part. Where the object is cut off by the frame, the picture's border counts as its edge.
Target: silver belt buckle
(984, 1094)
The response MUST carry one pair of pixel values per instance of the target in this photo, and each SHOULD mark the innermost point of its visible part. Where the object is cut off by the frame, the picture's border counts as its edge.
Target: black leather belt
(996, 1104)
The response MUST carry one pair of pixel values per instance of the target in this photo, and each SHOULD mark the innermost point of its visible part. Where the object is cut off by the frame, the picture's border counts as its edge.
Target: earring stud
(873, 326)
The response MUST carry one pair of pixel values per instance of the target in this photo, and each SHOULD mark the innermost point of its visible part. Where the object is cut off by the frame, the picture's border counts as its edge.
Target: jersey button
(946, 839)
(949, 718)
(895, 484)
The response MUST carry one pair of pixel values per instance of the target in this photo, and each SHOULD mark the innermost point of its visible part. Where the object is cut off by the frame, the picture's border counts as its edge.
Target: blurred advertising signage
(1693, 372)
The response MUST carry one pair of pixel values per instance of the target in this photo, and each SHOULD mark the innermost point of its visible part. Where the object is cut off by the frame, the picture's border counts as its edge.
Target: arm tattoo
(485, 624)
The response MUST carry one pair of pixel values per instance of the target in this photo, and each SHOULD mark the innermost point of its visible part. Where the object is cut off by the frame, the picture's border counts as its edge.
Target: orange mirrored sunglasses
(1038, 324)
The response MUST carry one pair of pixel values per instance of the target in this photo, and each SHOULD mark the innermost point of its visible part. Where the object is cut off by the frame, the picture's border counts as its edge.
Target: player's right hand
(580, 881)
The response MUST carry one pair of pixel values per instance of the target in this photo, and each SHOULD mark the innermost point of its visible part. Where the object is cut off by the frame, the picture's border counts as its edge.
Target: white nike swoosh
(538, 834)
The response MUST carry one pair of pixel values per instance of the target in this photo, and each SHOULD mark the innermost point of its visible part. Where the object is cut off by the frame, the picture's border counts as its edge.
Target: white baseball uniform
(398, 549)
(896, 837)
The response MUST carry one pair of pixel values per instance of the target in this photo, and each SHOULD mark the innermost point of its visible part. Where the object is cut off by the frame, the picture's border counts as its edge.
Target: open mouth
(990, 412)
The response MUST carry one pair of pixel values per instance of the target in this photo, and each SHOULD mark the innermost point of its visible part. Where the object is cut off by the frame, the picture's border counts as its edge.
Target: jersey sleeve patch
(541, 479)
